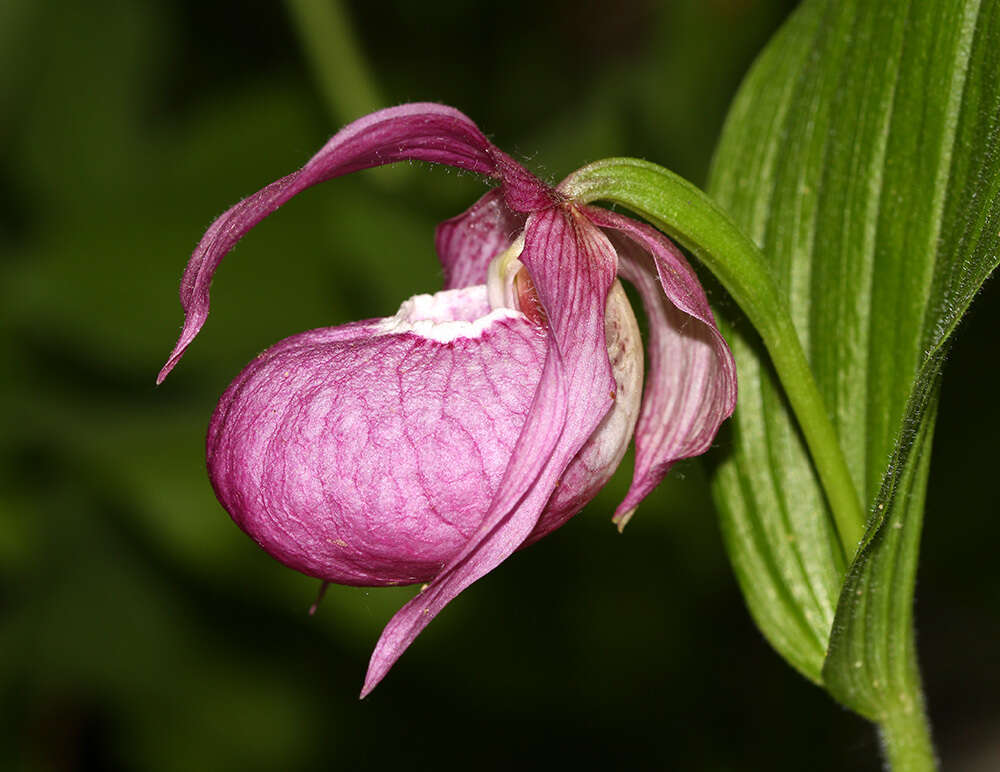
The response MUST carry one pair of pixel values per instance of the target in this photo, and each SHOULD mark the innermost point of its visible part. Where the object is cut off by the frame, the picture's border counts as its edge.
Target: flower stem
(906, 739)
(686, 214)
(348, 88)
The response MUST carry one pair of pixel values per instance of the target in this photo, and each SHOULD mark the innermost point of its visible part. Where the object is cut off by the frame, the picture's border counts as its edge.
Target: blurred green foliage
(139, 629)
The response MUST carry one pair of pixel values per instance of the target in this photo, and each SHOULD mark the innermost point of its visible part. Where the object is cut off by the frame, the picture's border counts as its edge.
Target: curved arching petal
(468, 242)
(690, 375)
(421, 131)
(572, 265)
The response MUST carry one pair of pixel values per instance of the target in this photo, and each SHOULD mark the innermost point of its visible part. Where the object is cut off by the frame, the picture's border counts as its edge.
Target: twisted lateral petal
(573, 266)
(600, 456)
(691, 374)
(511, 517)
(422, 131)
(468, 242)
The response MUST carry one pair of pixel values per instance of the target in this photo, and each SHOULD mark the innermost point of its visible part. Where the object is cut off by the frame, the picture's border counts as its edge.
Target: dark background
(140, 630)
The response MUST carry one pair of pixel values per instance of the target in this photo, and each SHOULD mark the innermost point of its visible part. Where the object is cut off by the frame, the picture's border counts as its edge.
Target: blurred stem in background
(324, 29)
(345, 80)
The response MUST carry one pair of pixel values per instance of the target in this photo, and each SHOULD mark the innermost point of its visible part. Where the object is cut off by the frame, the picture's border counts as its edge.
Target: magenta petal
(600, 456)
(690, 372)
(425, 132)
(467, 243)
(523, 191)
(526, 486)
(370, 454)
(572, 265)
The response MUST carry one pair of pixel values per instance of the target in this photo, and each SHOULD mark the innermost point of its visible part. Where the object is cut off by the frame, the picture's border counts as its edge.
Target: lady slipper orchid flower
(428, 446)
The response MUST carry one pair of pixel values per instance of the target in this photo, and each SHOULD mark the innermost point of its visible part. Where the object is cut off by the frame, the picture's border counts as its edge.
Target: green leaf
(790, 568)
(862, 156)
(861, 160)
(871, 664)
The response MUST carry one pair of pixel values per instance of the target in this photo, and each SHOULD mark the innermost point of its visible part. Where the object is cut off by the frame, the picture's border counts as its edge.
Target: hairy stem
(906, 740)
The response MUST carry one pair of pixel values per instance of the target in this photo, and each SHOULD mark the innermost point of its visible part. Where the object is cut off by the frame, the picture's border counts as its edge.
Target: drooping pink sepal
(690, 373)
(512, 516)
(421, 131)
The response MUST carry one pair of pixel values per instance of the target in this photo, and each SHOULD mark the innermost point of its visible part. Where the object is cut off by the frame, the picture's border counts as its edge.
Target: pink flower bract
(429, 446)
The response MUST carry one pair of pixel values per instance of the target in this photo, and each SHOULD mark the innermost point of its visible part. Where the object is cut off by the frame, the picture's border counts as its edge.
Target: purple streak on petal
(467, 243)
(690, 373)
(572, 265)
(423, 131)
